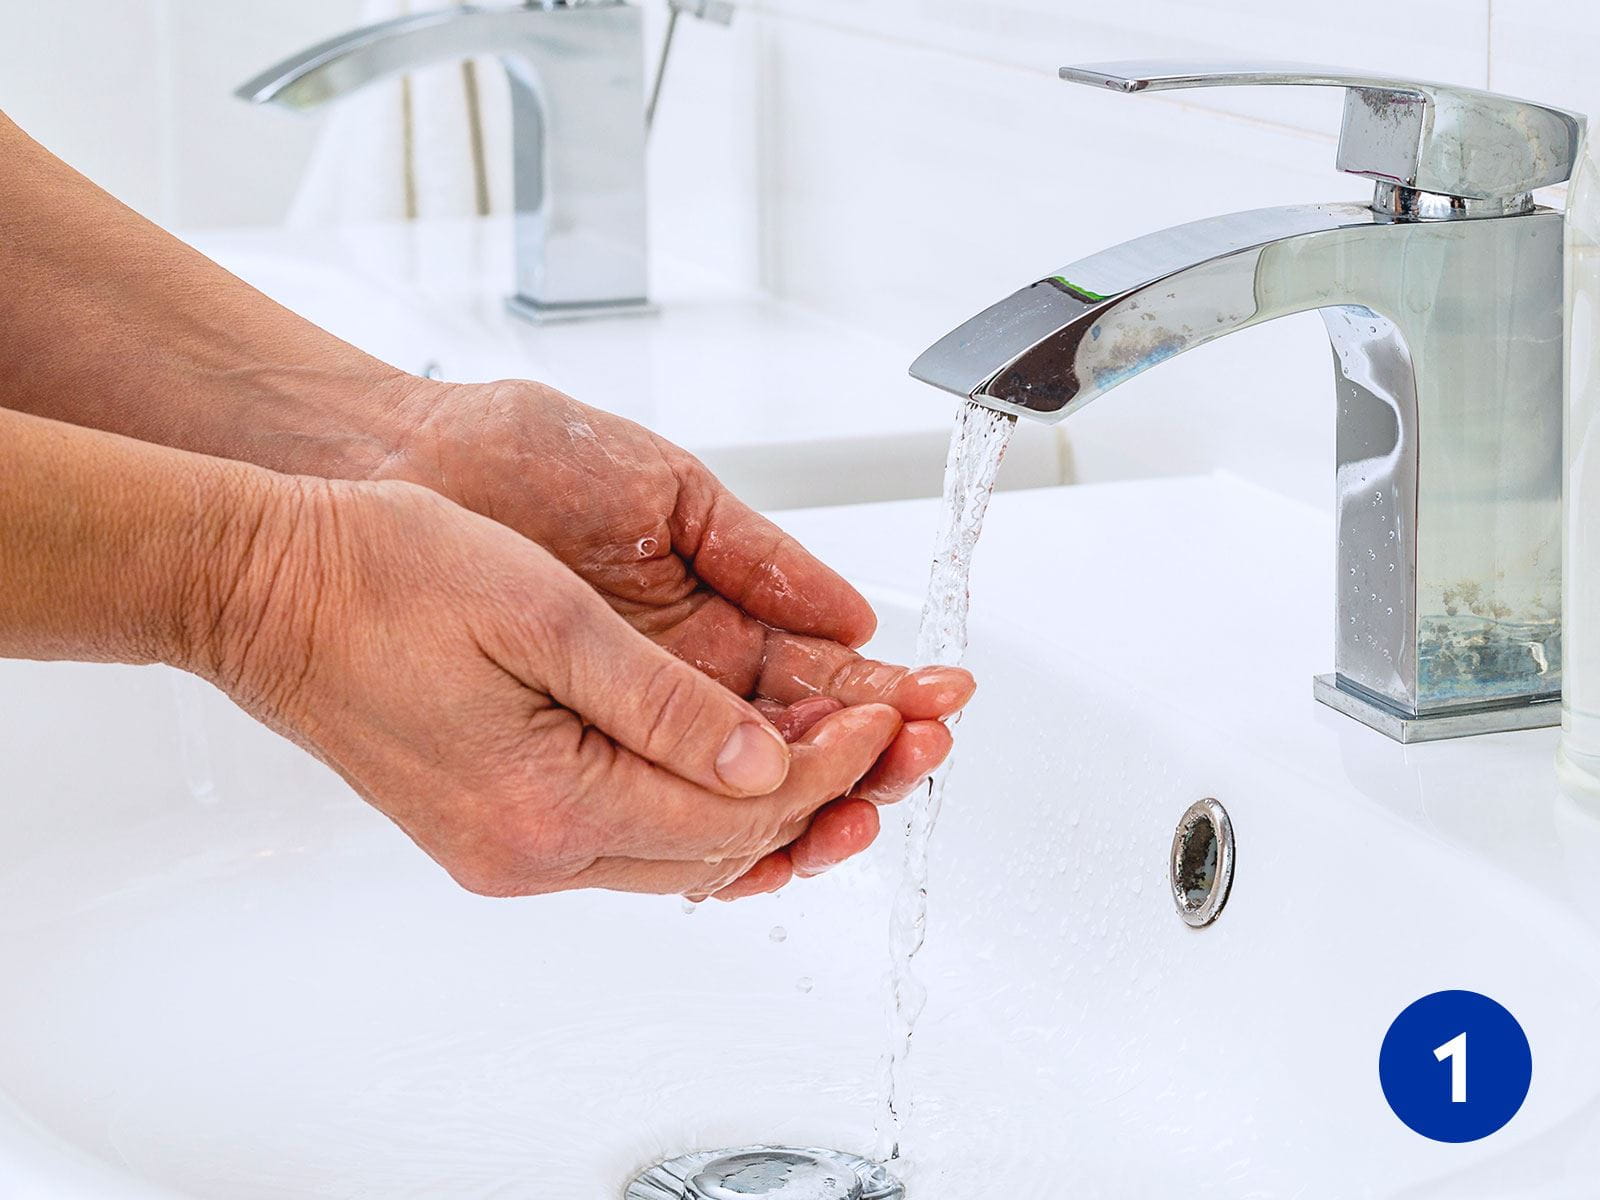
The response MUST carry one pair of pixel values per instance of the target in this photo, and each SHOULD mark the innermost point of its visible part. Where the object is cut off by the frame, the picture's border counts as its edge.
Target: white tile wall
(234, 163)
(137, 94)
(705, 165)
(1547, 50)
(1443, 39)
(92, 88)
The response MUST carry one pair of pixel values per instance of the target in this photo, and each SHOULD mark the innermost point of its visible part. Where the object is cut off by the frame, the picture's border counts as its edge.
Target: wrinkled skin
(439, 662)
(684, 562)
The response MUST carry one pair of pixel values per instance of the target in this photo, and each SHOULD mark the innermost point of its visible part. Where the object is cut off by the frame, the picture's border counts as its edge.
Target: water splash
(977, 446)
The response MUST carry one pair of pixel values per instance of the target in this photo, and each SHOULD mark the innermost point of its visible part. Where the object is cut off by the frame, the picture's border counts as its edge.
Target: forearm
(111, 323)
(113, 550)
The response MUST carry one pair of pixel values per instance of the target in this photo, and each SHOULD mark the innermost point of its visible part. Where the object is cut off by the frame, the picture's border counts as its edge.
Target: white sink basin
(273, 995)
(787, 408)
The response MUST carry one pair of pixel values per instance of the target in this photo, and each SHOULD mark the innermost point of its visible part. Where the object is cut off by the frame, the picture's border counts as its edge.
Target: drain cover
(775, 1172)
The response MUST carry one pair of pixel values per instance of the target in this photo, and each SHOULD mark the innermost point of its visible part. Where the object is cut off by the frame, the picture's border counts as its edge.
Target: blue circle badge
(1455, 1066)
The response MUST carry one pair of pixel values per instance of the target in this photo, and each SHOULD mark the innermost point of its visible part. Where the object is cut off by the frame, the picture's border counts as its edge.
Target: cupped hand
(501, 713)
(839, 830)
(674, 552)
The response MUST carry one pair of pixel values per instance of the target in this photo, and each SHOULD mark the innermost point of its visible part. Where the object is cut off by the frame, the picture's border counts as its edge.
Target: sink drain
(1201, 869)
(770, 1171)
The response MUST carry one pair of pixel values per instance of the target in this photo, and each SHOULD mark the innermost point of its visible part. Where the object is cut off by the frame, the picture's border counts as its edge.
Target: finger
(909, 760)
(827, 761)
(660, 878)
(832, 757)
(841, 830)
(644, 698)
(798, 824)
(768, 875)
(758, 567)
(797, 667)
(821, 777)
(632, 809)
(795, 720)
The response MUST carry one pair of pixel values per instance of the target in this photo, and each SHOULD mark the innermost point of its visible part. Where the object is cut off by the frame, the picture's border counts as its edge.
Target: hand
(683, 560)
(493, 705)
(839, 830)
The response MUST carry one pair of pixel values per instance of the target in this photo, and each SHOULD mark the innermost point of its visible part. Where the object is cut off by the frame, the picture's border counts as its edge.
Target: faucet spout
(577, 96)
(1050, 348)
(1448, 357)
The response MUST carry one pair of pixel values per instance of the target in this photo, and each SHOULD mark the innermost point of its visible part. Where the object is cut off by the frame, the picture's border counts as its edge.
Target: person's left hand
(672, 550)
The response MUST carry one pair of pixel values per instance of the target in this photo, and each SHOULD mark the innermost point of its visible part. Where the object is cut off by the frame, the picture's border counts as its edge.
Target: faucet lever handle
(1433, 137)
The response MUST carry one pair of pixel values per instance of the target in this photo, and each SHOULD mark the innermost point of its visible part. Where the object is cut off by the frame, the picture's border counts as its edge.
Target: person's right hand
(501, 713)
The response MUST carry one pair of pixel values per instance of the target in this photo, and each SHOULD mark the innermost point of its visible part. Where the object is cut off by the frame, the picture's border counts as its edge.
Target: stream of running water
(977, 446)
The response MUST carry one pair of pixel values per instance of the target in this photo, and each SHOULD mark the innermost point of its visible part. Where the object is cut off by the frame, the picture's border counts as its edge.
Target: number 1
(1456, 1051)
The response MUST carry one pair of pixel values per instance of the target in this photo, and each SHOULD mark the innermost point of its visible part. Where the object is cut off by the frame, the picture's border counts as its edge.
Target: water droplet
(689, 908)
(778, 933)
(803, 984)
(647, 546)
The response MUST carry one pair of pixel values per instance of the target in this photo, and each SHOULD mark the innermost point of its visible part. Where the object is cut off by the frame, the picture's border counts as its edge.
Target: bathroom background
(881, 162)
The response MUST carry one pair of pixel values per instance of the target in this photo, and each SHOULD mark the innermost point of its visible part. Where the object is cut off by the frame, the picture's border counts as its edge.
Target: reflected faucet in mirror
(578, 130)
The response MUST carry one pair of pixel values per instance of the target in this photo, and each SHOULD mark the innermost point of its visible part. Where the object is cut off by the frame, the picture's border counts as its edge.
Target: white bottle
(1578, 762)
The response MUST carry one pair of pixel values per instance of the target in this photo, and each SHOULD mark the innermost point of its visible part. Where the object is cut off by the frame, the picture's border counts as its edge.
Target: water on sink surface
(977, 445)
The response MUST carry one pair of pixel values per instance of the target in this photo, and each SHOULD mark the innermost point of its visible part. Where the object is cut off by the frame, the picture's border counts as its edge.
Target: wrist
(250, 577)
(114, 550)
(360, 424)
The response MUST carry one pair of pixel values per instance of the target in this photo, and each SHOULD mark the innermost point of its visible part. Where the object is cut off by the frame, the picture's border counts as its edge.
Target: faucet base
(545, 314)
(1391, 722)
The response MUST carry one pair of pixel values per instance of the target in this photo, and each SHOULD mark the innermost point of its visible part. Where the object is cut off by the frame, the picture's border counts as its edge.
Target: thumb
(657, 705)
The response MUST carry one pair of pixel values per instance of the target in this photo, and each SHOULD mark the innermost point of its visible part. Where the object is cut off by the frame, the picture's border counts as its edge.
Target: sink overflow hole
(1201, 868)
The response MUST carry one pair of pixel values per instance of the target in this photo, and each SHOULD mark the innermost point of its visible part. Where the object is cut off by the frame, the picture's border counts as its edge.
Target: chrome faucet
(1444, 304)
(577, 123)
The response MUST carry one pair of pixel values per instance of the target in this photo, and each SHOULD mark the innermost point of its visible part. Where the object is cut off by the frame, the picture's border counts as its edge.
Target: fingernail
(947, 687)
(753, 760)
